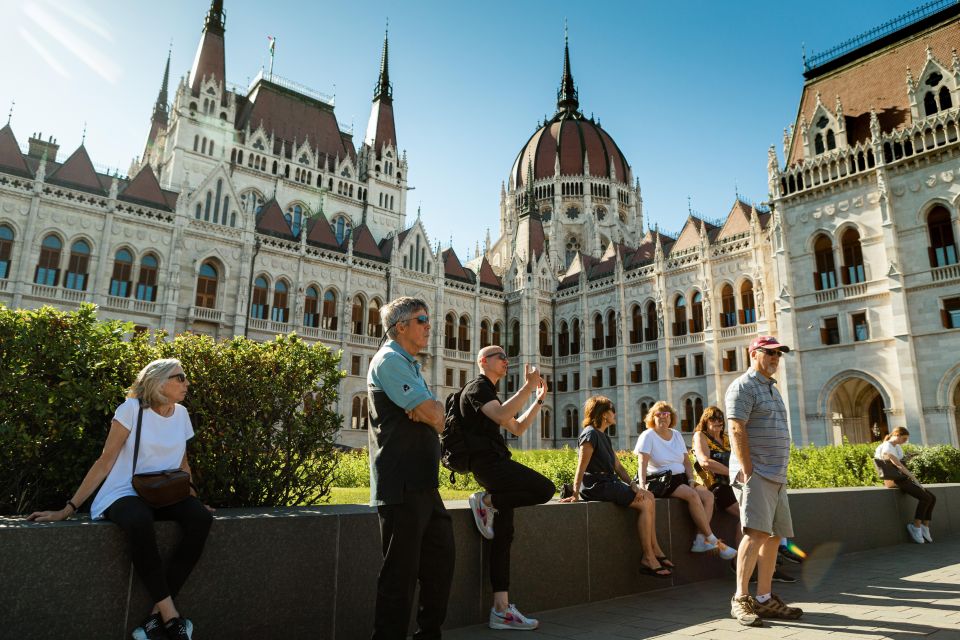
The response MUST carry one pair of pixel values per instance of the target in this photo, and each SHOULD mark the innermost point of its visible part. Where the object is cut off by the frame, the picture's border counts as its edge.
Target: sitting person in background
(601, 476)
(662, 452)
(890, 451)
(711, 447)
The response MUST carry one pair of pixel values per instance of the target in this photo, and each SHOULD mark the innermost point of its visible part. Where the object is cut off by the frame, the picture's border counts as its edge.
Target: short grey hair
(397, 311)
(150, 380)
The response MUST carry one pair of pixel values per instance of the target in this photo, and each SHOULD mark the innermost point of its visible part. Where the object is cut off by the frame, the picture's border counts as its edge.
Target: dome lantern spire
(567, 99)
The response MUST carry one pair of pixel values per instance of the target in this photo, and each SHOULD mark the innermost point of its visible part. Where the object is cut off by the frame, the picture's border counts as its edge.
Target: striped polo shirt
(753, 399)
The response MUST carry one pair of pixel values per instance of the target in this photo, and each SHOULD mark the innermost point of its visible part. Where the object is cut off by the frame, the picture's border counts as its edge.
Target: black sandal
(665, 561)
(656, 572)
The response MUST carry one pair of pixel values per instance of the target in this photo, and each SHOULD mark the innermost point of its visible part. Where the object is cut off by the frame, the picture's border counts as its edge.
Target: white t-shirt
(664, 454)
(163, 441)
(888, 447)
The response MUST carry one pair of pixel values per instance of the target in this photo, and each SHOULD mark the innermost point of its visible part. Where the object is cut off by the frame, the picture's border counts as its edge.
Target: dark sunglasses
(422, 319)
(182, 377)
(770, 352)
(499, 354)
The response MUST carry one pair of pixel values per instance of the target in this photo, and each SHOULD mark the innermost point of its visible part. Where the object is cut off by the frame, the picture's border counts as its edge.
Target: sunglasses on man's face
(422, 319)
(182, 377)
(499, 354)
(770, 352)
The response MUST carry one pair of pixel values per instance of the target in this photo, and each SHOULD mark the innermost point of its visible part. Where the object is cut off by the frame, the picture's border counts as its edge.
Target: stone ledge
(310, 572)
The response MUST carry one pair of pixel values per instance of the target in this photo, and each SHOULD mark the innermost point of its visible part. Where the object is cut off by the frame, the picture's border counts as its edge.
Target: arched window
(852, 272)
(680, 317)
(748, 307)
(258, 305)
(449, 331)
(943, 248)
(147, 278)
(484, 334)
(697, 411)
(359, 415)
(611, 329)
(6, 249)
(696, 312)
(575, 338)
(121, 280)
(543, 338)
(818, 144)
(330, 310)
(563, 339)
(641, 425)
(513, 349)
(597, 332)
(687, 423)
(357, 316)
(374, 328)
(946, 102)
(311, 308)
(571, 423)
(463, 333)
(294, 218)
(281, 306)
(341, 229)
(78, 266)
(48, 266)
(831, 140)
(207, 281)
(825, 276)
(728, 307)
(636, 324)
(545, 424)
(497, 338)
(930, 103)
(651, 332)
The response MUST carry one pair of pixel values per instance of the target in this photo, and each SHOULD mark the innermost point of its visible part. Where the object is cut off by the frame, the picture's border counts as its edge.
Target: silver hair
(150, 381)
(397, 311)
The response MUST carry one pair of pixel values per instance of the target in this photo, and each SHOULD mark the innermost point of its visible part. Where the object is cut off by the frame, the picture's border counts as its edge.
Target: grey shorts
(764, 506)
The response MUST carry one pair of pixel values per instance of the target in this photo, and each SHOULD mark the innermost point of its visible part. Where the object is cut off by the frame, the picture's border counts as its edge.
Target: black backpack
(454, 449)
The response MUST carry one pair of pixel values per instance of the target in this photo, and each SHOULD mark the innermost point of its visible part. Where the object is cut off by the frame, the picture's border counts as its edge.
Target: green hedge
(810, 467)
(257, 442)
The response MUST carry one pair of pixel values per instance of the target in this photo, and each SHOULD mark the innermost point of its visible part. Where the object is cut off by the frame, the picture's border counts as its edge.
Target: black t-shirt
(477, 393)
(603, 459)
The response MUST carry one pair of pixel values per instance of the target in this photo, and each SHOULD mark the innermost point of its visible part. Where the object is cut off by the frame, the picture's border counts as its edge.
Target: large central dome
(570, 144)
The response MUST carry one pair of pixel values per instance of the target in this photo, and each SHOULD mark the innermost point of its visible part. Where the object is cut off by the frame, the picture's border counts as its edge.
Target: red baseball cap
(768, 342)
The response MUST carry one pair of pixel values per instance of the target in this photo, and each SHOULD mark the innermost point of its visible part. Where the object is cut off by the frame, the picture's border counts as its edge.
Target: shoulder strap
(136, 441)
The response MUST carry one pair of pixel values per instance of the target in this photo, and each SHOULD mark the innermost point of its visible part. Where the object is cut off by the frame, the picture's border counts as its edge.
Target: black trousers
(417, 539)
(510, 485)
(136, 518)
(925, 497)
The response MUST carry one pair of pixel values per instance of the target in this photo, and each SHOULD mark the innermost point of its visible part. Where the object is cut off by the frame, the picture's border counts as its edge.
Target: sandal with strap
(656, 572)
(665, 561)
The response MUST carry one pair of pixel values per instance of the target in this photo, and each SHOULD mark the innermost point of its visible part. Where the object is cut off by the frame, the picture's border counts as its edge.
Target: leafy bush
(260, 411)
(935, 464)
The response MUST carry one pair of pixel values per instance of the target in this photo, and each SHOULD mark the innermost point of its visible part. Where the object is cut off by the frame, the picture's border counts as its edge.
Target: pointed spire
(384, 90)
(160, 108)
(567, 99)
(215, 22)
(210, 60)
(14, 102)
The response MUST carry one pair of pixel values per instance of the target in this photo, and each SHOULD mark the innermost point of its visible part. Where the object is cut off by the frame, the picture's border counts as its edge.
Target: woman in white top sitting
(660, 450)
(891, 450)
(164, 432)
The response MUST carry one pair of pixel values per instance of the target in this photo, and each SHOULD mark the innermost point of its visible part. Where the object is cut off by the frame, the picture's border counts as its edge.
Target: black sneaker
(179, 629)
(780, 576)
(151, 629)
(789, 556)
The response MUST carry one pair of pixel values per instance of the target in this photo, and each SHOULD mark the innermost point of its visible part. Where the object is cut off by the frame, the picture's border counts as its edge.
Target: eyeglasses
(422, 319)
(770, 352)
(499, 354)
(182, 377)
(663, 414)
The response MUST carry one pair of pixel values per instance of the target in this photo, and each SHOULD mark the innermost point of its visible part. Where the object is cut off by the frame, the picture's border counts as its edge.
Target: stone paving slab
(903, 592)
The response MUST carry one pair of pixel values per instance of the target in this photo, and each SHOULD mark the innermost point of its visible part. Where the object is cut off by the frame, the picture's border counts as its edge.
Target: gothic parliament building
(252, 211)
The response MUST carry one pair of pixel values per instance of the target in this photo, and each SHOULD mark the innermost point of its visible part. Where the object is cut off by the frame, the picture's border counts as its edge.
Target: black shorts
(676, 480)
(723, 496)
(613, 490)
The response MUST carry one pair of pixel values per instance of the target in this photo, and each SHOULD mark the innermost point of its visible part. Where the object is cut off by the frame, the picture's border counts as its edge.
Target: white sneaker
(925, 530)
(726, 551)
(482, 514)
(512, 619)
(915, 533)
(701, 545)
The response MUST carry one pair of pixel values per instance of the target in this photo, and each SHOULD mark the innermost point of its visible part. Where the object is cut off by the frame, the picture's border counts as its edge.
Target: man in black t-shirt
(507, 484)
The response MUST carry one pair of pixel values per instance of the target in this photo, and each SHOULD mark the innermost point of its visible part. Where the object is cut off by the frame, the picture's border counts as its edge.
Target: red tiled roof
(209, 61)
(689, 236)
(270, 220)
(487, 276)
(11, 160)
(877, 80)
(382, 126)
(363, 243)
(764, 218)
(453, 268)
(535, 237)
(145, 189)
(738, 221)
(77, 171)
(319, 233)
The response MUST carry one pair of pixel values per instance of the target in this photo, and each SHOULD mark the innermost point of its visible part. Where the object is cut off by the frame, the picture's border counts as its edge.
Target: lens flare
(794, 548)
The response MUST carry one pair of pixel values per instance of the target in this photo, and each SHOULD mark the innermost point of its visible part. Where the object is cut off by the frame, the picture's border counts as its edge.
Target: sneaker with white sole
(744, 610)
(179, 629)
(915, 533)
(510, 618)
(702, 546)
(151, 629)
(925, 530)
(726, 551)
(482, 514)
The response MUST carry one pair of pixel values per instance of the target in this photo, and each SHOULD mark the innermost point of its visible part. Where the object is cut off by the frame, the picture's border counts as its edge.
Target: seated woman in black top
(603, 478)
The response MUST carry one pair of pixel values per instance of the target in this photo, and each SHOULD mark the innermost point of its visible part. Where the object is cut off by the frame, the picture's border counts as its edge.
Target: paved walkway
(906, 591)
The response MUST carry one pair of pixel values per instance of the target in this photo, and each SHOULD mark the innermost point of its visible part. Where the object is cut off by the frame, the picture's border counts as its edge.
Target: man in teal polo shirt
(415, 530)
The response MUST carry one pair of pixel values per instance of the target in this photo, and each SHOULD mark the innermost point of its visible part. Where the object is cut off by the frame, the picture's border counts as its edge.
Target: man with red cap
(760, 442)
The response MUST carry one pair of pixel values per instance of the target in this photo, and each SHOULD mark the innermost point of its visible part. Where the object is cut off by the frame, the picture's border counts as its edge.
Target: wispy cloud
(84, 19)
(50, 22)
(43, 52)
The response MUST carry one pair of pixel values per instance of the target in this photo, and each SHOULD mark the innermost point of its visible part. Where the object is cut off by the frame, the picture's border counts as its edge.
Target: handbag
(658, 483)
(159, 488)
(887, 470)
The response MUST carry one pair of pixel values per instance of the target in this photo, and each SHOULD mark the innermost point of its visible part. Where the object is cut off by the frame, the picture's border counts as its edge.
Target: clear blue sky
(693, 92)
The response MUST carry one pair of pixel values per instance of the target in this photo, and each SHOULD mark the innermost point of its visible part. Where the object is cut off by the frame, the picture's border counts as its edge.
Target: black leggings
(924, 496)
(136, 518)
(510, 485)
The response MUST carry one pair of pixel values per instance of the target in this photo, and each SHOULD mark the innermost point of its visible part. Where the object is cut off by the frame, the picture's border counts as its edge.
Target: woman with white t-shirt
(891, 450)
(661, 449)
(164, 432)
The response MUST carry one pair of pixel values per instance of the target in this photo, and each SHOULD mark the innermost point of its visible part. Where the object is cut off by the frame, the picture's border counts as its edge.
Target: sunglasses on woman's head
(182, 377)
